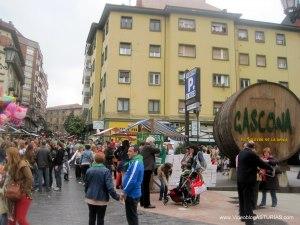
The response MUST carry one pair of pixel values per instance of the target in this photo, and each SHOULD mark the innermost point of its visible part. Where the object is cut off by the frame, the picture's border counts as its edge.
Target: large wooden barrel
(267, 113)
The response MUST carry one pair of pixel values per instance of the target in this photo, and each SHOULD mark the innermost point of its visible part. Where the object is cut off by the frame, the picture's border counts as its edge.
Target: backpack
(78, 160)
(199, 162)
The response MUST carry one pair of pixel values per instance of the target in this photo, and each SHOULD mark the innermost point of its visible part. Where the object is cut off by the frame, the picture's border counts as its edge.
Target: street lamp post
(292, 9)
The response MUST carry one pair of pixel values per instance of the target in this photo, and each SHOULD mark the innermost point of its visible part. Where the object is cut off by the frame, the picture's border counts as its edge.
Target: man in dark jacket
(43, 162)
(122, 157)
(247, 164)
(148, 152)
(58, 165)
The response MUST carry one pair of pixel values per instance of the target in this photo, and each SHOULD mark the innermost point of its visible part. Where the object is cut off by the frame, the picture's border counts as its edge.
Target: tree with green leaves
(74, 125)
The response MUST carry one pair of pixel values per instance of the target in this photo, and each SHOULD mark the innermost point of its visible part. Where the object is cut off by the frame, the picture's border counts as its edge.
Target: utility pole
(187, 119)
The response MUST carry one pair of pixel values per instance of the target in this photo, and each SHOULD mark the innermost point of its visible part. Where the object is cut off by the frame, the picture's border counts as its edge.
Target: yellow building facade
(139, 54)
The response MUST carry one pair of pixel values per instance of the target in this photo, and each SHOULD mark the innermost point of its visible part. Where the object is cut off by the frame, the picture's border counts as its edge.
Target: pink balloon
(15, 112)
(3, 119)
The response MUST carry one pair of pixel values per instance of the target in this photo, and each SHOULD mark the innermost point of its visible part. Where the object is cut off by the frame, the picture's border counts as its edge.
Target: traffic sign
(192, 89)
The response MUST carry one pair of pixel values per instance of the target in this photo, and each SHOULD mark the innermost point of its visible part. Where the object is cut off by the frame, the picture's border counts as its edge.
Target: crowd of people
(39, 165)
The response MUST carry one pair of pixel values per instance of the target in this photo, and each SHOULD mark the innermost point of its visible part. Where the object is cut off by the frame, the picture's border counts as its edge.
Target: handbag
(198, 187)
(13, 191)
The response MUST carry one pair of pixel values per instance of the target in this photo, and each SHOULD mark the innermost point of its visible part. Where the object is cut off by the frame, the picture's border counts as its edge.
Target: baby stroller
(189, 189)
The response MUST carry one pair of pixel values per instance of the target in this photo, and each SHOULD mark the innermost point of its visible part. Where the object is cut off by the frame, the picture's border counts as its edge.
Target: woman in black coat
(269, 183)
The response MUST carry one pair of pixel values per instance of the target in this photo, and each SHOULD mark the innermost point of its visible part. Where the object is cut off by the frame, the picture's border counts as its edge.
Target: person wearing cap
(132, 184)
(148, 152)
(247, 163)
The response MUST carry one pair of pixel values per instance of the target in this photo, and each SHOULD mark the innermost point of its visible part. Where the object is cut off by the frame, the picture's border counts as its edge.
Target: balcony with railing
(12, 59)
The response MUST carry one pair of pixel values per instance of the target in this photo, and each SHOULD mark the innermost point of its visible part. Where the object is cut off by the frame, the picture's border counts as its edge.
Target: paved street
(68, 208)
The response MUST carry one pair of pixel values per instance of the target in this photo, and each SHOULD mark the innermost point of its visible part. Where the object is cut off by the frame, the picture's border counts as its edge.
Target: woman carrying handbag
(18, 188)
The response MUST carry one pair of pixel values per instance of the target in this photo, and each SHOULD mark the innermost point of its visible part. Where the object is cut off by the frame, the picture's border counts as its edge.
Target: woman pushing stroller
(191, 181)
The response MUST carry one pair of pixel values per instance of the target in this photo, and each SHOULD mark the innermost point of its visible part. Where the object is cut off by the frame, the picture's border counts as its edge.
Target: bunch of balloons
(10, 112)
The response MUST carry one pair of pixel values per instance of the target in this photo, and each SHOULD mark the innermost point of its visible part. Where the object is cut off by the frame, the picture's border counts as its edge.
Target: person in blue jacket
(132, 184)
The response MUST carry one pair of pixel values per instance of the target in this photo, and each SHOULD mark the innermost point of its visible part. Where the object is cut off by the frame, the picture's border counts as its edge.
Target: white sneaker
(57, 189)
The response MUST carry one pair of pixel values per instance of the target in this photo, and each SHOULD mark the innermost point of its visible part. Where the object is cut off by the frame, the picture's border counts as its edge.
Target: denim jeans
(50, 175)
(3, 219)
(43, 175)
(58, 178)
(35, 174)
(163, 190)
(273, 196)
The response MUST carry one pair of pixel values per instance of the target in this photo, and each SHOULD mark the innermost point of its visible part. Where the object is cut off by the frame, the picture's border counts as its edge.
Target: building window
(261, 81)
(186, 24)
(103, 107)
(259, 36)
(243, 34)
(244, 83)
(126, 22)
(101, 84)
(220, 80)
(280, 39)
(181, 77)
(284, 83)
(93, 66)
(244, 59)
(154, 25)
(92, 89)
(216, 107)
(261, 61)
(181, 106)
(106, 28)
(220, 53)
(29, 63)
(187, 50)
(125, 48)
(105, 53)
(104, 80)
(29, 57)
(123, 104)
(153, 106)
(282, 63)
(124, 76)
(154, 51)
(102, 59)
(154, 78)
(219, 28)
(30, 51)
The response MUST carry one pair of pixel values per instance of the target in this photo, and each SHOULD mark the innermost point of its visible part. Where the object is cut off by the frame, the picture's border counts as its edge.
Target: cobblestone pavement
(68, 208)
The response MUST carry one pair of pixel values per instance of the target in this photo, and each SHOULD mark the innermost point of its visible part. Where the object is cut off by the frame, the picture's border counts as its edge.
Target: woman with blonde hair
(19, 172)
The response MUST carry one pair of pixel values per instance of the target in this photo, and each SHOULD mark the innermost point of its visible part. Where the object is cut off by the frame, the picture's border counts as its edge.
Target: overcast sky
(61, 28)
